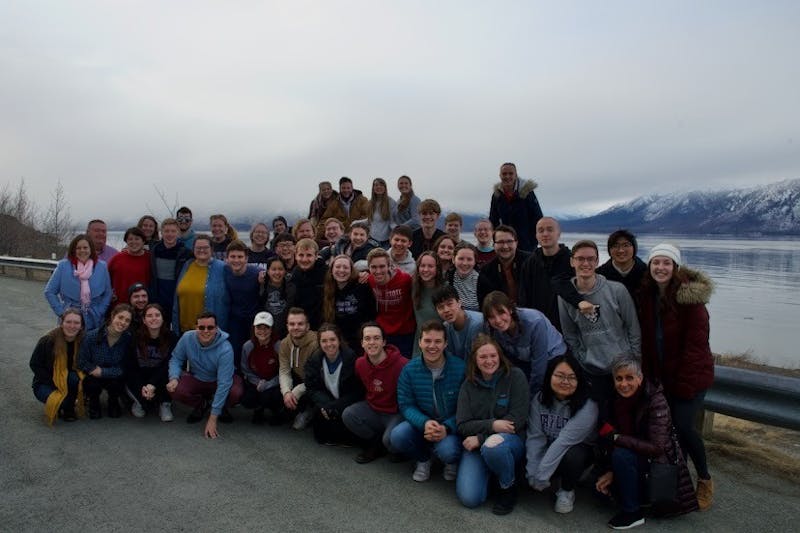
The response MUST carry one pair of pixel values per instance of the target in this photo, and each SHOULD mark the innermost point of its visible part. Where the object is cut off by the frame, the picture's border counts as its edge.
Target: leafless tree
(57, 221)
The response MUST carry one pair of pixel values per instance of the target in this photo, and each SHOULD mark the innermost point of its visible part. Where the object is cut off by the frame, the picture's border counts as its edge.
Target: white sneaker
(423, 471)
(301, 420)
(165, 412)
(565, 501)
(137, 410)
(450, 472)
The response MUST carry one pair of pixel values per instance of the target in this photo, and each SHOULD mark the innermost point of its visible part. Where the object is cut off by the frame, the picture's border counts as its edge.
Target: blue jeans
(625, 465)
(43, 391)
(408, 440)
(476, 466)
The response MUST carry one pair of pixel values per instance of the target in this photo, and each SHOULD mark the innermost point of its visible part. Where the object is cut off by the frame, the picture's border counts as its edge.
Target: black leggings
(93, 386)
(684, 413)
(572, 465)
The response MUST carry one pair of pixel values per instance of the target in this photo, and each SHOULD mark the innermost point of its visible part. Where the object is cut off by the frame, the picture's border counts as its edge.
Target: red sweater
(125, 270)
(395, 305)
(380, 381)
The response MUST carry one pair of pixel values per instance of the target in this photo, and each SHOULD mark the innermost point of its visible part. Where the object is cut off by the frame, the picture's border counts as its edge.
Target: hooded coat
(522, 212)
(675, 347)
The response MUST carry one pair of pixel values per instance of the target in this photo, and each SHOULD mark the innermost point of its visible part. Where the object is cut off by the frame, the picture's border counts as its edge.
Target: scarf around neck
(83, 271)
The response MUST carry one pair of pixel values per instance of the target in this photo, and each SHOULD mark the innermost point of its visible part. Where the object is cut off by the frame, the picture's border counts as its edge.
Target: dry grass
(746, 361)
(771, 449)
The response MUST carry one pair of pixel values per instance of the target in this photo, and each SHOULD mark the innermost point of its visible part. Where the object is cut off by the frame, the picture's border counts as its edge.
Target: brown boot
(705, 494)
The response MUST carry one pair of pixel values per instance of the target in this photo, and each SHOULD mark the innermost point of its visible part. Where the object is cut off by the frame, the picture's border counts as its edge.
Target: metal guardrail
(756, 396)
(765, 398)
(23, 267)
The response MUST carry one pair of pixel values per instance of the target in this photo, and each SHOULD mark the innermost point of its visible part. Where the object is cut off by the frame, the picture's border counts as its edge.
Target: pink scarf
(83, 271)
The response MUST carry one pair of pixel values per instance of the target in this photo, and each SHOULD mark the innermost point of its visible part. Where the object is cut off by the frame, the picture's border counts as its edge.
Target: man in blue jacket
(427, 395)
(210, 376)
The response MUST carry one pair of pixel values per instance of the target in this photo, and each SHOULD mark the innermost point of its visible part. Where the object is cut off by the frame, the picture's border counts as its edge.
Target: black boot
(371, 451)
(114, 410)
(258, 416)
(505, 501)
(94, 407)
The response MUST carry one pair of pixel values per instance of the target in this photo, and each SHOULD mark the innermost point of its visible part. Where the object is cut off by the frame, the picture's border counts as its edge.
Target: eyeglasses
(579, 259)
(206, 328)
(504, 242)
(564, 378)
(183, 218)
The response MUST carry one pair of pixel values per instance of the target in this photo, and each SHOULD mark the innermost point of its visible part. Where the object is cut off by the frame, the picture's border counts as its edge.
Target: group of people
(379, 329)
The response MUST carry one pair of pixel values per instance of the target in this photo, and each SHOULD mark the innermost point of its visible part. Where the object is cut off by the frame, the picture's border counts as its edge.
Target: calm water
(756, 305)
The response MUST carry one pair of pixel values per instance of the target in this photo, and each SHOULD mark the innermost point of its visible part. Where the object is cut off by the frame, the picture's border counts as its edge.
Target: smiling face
(584, 261)
(432, 344)
(661, 269)
(483, 233)
(206, 330)
(548, 233)
(153, 320)
(305, 231)
(260, 235)
(505, 245)
(400, 245)
(487, 360)
(263, 333)
(285, 251)
(71, 325)
(508, 176)
(449, 310)
(135, 244)
(139, 299)
(219, 229)
(346, 189)
(148, 227)
(501, 319)
(445, 250)
(305, 258)
(120, 321)
(83, 250)
(372, 341)
(279, 227)
(378, 187)
(627, 381)
(404, 185)
(202, 251)
(358, 236)
(333, 231)
(237, 260)
(426, 268)
(297, 325)
(341, 270)
(379, 268)
(427, 219)
(276, 272)
(325, 190)
(184, 221)
(563, 382)
(97, 232)
(329, 343)
(170, 234)
(465, 261)
(453, 229)
(622, 253)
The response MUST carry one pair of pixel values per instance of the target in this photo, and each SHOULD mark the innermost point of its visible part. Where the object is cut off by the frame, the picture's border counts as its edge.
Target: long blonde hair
(380, 202)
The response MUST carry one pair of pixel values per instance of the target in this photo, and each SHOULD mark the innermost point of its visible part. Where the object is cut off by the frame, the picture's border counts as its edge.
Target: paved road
(144, 475)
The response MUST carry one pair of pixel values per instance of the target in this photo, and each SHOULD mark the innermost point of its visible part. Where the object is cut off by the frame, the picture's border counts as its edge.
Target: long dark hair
(330, 286)
(581, 394)
(418, 285)
(164, 337)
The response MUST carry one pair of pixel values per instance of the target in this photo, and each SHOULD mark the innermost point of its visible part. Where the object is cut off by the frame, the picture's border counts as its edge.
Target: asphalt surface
(143, 475)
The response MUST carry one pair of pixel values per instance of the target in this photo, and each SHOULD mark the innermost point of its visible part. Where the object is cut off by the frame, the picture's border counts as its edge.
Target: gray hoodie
(611, 330)
(552, 431)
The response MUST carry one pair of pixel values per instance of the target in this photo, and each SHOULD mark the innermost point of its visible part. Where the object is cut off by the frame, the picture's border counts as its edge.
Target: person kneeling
(210, 375)
(427, 394)
(492, 416)
(637, 435)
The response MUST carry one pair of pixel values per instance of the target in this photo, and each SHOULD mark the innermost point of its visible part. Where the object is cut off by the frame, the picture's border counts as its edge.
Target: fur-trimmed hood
(697, 290)
(524, 187)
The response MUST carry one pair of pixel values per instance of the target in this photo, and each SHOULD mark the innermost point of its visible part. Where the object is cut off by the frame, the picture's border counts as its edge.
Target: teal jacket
(420, 398)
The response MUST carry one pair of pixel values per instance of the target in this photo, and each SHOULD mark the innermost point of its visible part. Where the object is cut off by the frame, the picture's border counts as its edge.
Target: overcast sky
(244, 106)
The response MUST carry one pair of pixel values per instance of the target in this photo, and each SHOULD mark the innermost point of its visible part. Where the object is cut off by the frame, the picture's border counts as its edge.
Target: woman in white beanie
(675, 349)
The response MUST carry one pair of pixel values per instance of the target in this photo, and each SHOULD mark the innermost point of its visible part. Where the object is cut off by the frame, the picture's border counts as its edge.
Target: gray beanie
(666, 250)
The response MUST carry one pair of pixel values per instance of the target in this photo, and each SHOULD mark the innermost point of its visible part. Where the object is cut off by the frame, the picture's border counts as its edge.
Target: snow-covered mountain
(767, 209)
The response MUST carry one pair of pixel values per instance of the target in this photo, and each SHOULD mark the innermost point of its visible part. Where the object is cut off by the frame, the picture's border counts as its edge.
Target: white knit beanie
(665, 250)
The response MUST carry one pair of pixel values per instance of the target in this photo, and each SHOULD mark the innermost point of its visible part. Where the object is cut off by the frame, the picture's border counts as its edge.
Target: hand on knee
(493, 441)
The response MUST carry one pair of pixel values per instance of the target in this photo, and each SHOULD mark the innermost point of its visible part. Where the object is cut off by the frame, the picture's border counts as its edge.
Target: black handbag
(662, 480)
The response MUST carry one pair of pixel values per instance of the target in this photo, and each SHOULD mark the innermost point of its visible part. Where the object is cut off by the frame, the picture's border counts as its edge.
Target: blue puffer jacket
(216, 298)
(95, 351)
(417, 392)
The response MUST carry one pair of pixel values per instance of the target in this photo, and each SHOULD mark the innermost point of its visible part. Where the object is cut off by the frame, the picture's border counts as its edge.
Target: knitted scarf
(83, 271)
(60, 372)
